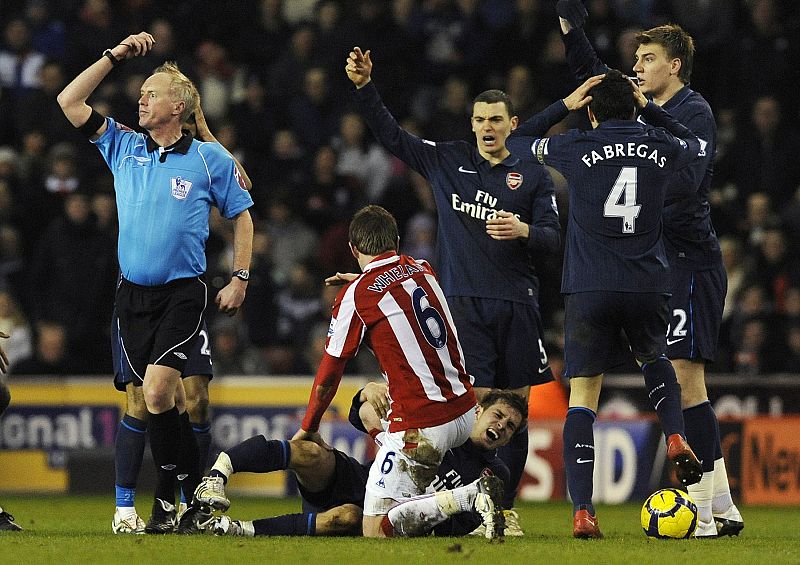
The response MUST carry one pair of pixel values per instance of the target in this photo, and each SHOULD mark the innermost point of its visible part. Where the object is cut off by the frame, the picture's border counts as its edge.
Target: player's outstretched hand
(314, 437)
(580, 98)
(359, 67)
(340, 279)
(134, 46)
(573, 11)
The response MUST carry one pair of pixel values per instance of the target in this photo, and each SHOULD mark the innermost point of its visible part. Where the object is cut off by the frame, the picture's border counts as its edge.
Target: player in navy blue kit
(663, 68)
(332, 484)
(165, 183)
(615, 275)
(494, 212)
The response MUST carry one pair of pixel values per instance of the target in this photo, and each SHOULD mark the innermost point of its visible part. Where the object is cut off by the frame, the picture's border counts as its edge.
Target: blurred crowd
(273, 88)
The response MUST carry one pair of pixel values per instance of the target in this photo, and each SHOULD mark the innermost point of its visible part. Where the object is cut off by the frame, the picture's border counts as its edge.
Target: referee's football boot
(195, 519)
(687, 467)
(211, 491)
(7, 523)
(163, 520)
(489, 504)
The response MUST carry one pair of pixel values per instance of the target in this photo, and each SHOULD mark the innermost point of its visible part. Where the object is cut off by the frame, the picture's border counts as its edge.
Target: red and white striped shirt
(397, 308)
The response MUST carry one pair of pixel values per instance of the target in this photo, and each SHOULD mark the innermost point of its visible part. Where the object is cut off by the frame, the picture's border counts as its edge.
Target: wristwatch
(243, 274)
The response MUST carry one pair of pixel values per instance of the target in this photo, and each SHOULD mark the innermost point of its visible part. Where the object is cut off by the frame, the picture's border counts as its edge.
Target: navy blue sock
(165, 430)
(665, 395)
(579, 456)
(259, 455)
(128, 453)
(188, 471)
(202, 433)
(287, 525)
(515, 454)
(702, 433)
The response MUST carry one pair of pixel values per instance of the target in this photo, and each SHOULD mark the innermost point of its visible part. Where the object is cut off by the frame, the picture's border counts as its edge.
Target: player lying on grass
(332, 484)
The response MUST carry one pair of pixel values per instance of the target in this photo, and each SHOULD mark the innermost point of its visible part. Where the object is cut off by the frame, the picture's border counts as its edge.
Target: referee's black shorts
(158, 324)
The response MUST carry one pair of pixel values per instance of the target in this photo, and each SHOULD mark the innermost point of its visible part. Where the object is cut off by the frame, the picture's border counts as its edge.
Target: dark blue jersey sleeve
(581, 56)
(692, 151)
(522, 139)
(545, 231)
(419, 154)
(354, 417)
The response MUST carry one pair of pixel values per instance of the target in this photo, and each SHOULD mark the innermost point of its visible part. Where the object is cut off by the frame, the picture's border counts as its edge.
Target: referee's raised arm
(73, 98)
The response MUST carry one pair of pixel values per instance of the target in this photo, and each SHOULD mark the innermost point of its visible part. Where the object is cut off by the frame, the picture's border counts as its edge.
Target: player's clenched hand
(3, 356)
(340, 279)
(641, 99)
(359, 67)
(314, 437)
(580, 96)
(230, 298)
(505, 225)
(377, 394)
(134, 46)
(573, 12)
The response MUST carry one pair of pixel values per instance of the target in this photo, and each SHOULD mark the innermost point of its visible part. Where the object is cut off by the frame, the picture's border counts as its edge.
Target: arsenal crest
(180, 187)
(514, 180)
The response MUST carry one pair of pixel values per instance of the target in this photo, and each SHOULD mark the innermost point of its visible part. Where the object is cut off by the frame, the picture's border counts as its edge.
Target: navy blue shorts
(601, 329)
(698, 298)
(347, 487)
(502, 342)
(198, 360)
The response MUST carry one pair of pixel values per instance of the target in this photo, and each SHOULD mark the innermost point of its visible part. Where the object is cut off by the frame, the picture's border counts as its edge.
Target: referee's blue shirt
(164, 198)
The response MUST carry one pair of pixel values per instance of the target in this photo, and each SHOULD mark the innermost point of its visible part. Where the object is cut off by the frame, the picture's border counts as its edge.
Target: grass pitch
(77, 529)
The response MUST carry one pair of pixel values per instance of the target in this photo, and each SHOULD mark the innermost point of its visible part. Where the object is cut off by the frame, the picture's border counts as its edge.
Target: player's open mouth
(489, 139)
(492, 435)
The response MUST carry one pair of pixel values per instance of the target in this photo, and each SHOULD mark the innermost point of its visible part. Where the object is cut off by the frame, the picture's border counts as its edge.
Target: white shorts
(407, 462)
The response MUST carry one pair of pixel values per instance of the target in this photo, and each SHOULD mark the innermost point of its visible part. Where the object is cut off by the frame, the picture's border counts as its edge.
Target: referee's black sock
(164, 431)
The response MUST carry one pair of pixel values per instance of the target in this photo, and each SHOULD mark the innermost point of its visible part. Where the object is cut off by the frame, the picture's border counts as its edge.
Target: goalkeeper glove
(573, 11)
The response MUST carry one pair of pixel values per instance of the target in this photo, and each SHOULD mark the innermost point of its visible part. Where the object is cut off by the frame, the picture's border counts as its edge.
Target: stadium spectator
(14, 324)
(232, 355)
(314, 114)
(50, 357)
(765, 160)
(20, 64)
(72, 279)
(450, 120)
(361, 158)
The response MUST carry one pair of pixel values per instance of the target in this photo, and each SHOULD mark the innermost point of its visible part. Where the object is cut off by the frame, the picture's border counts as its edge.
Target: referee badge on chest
(180, 187)
(514, 180)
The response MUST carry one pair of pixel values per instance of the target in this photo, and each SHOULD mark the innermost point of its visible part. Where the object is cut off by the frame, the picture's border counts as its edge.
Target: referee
(165, 183)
